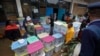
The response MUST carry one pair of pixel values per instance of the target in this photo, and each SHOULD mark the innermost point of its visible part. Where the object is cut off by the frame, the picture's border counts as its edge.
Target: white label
(35, 10)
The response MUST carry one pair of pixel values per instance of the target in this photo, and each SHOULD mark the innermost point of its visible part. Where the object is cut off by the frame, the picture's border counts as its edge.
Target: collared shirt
(93, 22)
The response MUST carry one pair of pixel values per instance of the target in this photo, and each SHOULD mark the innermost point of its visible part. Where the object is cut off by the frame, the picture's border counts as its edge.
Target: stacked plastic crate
(48, 42)
(35, 47)
(43, 20)
(39, 29)
(46, 28)
(59, 40)
(20, 47)
(48, 45)
(76, 26)
(57, 27)
(64, 28)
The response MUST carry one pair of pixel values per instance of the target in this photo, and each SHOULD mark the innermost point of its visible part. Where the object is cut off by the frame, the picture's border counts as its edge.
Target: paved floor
(5, 48)
(6, 51)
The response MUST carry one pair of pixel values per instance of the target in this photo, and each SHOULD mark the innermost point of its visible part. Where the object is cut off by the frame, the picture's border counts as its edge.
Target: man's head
(70, 25)
(94, 11)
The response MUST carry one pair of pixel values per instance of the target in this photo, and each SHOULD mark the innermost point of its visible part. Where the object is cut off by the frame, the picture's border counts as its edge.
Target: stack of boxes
(19, 47)
(35, 49)
(59, 40)
(43, 20)
(48, 42)
(43, 44)
(46, 28)
(48, 45)
(57, 26)
(39, 29)
(60, 27)
(76, 26)
(64, 28)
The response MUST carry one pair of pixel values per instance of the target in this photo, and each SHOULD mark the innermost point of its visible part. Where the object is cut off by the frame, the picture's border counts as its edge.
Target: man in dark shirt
(91, 34)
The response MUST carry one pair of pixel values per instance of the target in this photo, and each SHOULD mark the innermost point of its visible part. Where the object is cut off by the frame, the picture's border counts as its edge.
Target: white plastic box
(64, 28)
(57, 26)
(58, 38)
(46, 28)
(19, 47)
(76, 26)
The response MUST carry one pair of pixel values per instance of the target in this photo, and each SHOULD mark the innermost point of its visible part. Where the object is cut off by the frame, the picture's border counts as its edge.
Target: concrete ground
(5, 47)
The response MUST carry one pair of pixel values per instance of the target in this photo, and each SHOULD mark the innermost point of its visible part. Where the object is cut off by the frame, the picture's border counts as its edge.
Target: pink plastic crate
(39, 30)
(48, 41)
(35, 49)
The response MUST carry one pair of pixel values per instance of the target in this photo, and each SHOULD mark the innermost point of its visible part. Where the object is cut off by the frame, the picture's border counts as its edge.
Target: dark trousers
(51, 30)
(12, 34)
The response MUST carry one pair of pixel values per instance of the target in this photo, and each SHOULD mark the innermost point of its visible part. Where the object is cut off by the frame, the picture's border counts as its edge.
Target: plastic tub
(48, 42)
(19, 47)
(58, 38)
(35, 49)
(46, 28)
(39, 30)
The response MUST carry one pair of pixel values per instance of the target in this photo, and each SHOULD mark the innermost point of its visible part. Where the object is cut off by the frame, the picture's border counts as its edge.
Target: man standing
(91, 34)
(51, 23)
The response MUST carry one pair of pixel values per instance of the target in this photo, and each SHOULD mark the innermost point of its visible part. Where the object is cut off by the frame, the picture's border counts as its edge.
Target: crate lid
(48, 39)
(17, 44)
(65, 25)
(58, 23)
(57, 35)
(42, 35)
(76, 24)
(34, 47)
(32, 39)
